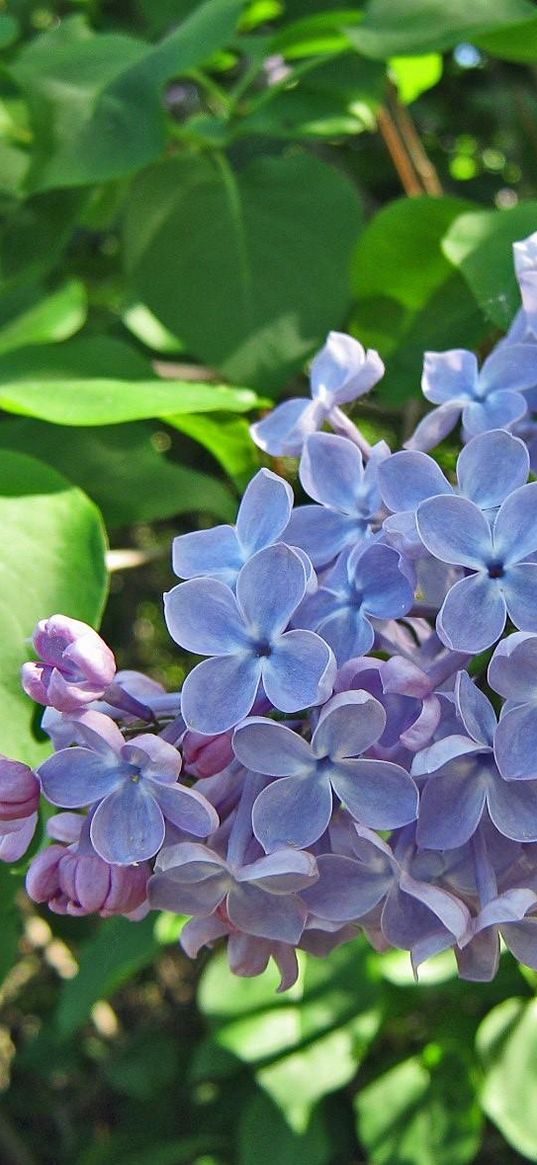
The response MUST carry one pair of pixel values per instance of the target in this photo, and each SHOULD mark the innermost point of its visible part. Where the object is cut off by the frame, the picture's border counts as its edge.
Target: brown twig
(414, 167)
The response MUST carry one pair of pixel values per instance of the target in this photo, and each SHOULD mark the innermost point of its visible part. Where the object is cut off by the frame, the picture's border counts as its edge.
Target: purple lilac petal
(346, 889)
(331, 472)
(408, 478)
(407, 923)
(283, 872)
(128, 825)
(348, 632)
(348, 725)
(473, 614)
(343, 370)
(436, 425)
(264, 511)
(491, 466)
(215, 552)
(515, 744)
(75, 777)
(220, 692)
(452, 913)
(513, 668)
(513, 808)
(452, 804)
(511, 906)
(299, 672)
(168, 893)
(157, 760)
(268, 916)
(377, 793)
(292, 811)
(269, 589)
(15, 838)
(520, 593)
(202, 616)
(494, 412)
(283, 432)
(475, 711)
(322, 533)
(512, 367)
(431, 759)
(187, 809)
(96, 731)
(521, 938)
(454, 530)
(478, 961)
(515, 528)
(449, 375)
(375, 572)
(263, 746)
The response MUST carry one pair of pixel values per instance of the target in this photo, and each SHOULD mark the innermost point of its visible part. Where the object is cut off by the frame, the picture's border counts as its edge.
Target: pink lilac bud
(74, 880)
(75, 665)
(19, 801)
(205, 756)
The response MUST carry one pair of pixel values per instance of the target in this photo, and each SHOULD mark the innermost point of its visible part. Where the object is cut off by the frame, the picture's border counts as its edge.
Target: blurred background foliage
(191, 195)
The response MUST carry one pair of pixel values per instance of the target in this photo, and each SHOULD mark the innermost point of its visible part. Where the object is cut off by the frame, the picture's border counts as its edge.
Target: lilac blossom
(259, 898)
(221, 551)
(350, 507)
(463, 782)
(296, 808)
(502, 582)
(73, 879)
(489, 468)
(247, 637)
(407, 694)
(366, 583)
(75, 666)
(341, 372)
(488, 399)
(132, 787)
(513, 673)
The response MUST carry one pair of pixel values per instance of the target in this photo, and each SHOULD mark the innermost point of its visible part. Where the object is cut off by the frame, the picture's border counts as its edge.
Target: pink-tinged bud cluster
(73, 879)
(75, 665)
(205, 756)
(19, 800)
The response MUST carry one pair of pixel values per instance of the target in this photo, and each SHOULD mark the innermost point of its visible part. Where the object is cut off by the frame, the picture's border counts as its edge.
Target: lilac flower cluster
(335, 763)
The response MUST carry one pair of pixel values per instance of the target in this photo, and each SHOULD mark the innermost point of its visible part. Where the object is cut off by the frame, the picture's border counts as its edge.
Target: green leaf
(52, 559)
(479, 244)
(123, 469)
(303, 1045)
(421, 1113)
(507, 1043)
(227, 438)
(271, 283)
(415, 75)
(36, 233)
(10, 919)
(322, 32)
(338, 97)
(52, 319)
(120, 950)
(265, 1138)
(517, 43)
(409, 298)
(100, 356)
(425, 26)
(110, 402)
(96, 102)
(9, 30)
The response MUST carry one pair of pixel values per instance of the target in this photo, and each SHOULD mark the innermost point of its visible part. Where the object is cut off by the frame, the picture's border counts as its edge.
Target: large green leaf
(421, 1113)
(110, 402)
(52, 559)
(480, 244)
(123, 469)
(10, 919)
(54, 318)
(276, 240)
(96, 100)
(265, 1138)
(303, 1045)
(120, 949)
(227, 438)
(423, 26)
(507, 1043)
(36, 232)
